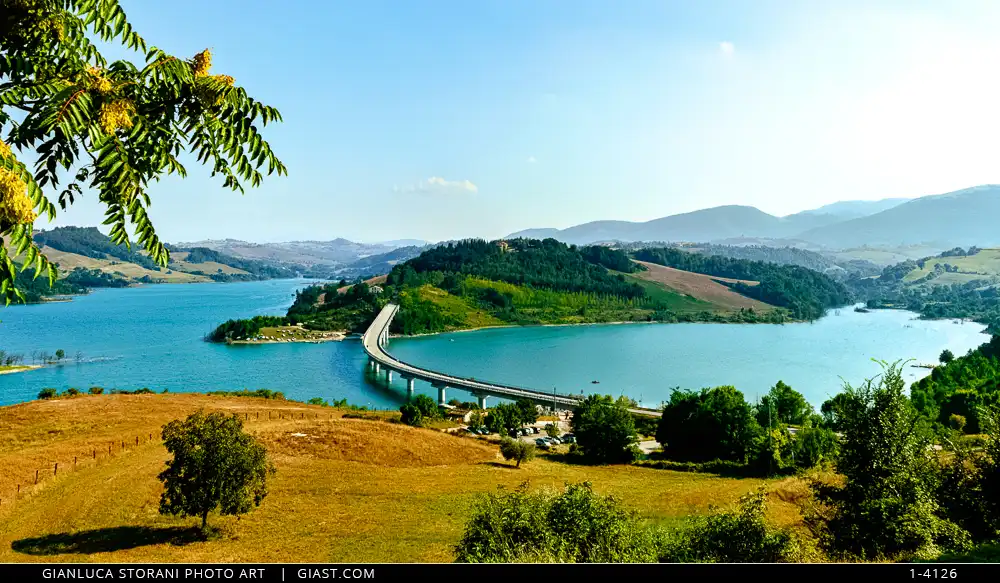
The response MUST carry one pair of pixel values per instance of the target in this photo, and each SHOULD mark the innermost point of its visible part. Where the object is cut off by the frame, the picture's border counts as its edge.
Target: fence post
(109, 448)
(19, 489)
(55, 470)
(74, 462)
(137, 440)
(95, 453)
(36, 476)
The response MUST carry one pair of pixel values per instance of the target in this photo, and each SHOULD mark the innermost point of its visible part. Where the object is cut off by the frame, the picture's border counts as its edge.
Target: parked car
(535, 430)
(555, 440)
(541, 444)
(568, 439)
(512, 433)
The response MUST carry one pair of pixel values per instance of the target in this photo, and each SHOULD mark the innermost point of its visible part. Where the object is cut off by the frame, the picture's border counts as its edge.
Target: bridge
(376, 337)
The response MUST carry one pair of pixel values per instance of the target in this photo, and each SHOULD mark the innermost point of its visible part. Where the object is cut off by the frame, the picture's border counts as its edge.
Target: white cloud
(727, 48)
(531, 160)
(436, 184)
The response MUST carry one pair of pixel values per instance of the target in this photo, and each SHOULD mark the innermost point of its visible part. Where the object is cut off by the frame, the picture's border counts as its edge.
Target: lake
(151, 336)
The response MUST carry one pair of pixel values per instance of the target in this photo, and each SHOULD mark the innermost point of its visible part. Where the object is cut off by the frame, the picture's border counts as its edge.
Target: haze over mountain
(960, 218)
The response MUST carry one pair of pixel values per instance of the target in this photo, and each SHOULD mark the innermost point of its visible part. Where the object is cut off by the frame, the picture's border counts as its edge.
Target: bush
(551, 430)
(318, 401)
(427, 407)
(72, 392)
(575, 526)
(741, 536)
(47, 393)
(411, 415)
(515, 449)
(96, 390)
(956, 422)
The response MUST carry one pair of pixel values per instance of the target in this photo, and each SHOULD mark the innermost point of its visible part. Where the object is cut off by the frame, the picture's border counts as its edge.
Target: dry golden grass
(70, 261)
(178, 263)
(702, 287)
(346, 490)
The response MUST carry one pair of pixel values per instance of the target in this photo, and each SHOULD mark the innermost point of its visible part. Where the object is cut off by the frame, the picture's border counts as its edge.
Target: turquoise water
(151, 336)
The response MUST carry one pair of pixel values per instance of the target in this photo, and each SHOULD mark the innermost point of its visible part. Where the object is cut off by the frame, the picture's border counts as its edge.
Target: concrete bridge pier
(442, 399)
(376, 368)
(481, 399)
(388, 375)
(410, 381)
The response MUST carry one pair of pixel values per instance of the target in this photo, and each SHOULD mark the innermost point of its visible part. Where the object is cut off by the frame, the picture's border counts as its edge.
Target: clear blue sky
(446, 119)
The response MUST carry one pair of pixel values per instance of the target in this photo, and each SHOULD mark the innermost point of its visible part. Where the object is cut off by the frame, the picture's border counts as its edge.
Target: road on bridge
(377, 335)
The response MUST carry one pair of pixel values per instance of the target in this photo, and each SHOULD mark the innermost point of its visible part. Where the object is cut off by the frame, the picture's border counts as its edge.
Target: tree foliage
(112, 127)
(604, 429)
(807, 294)
(215, 464)
(517, 450)
(711, 424)
(783, 404)
(886, 506)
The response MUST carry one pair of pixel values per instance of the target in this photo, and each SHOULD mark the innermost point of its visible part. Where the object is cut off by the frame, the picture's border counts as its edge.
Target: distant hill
(853, 209)
(707, 225)
(333, 253)
(956, 219)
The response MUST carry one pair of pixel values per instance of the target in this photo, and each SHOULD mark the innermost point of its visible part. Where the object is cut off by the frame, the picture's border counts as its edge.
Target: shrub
(72, 392)
(318, 401)
(740, 536)
(427, 407)
(96, 390)
(956, 422)
(551, 430)
(515, 449)
(47, 393)
(576, 525)
(411, 414)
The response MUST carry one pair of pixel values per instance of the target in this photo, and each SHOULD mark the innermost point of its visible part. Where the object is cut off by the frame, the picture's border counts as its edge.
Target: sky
(439, 120)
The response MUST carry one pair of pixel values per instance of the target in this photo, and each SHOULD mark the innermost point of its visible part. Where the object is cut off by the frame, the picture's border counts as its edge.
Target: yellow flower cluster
(5, 151)
(98, 82)
(202, 62)
(225, 79)
(15, 206)
(116, 115)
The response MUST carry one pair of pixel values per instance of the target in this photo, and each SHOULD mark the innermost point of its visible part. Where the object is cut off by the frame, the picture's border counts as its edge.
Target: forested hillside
(546, 264)
(960, 283)
(90, 242)
(807, 294)
(475, 283)
(255, 269)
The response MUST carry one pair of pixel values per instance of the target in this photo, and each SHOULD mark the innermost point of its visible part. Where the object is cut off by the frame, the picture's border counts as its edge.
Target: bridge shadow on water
(106, 540)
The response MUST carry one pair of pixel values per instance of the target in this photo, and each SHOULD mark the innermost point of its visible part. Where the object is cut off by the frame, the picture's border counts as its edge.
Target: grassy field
(982, 265)
(272, 334)
(703, 288)
(346, 490)
(69, 261)
(886, 255)
(178, 263)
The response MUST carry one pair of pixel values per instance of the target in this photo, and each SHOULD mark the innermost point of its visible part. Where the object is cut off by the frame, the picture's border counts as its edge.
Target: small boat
(595, 382)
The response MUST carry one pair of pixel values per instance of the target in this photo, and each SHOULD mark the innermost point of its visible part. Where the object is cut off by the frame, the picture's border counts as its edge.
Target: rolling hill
(956, 219)
(937, 222)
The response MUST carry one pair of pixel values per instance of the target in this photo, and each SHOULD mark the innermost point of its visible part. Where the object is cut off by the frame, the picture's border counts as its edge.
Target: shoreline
(21, 368)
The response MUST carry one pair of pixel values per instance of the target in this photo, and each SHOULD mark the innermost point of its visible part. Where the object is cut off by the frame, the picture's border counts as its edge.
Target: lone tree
(215, 465)
(946, 356)
(517, 450)
(111, 127)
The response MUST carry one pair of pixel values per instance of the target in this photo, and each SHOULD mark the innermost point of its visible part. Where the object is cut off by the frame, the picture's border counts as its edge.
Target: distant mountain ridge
(960, 218)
